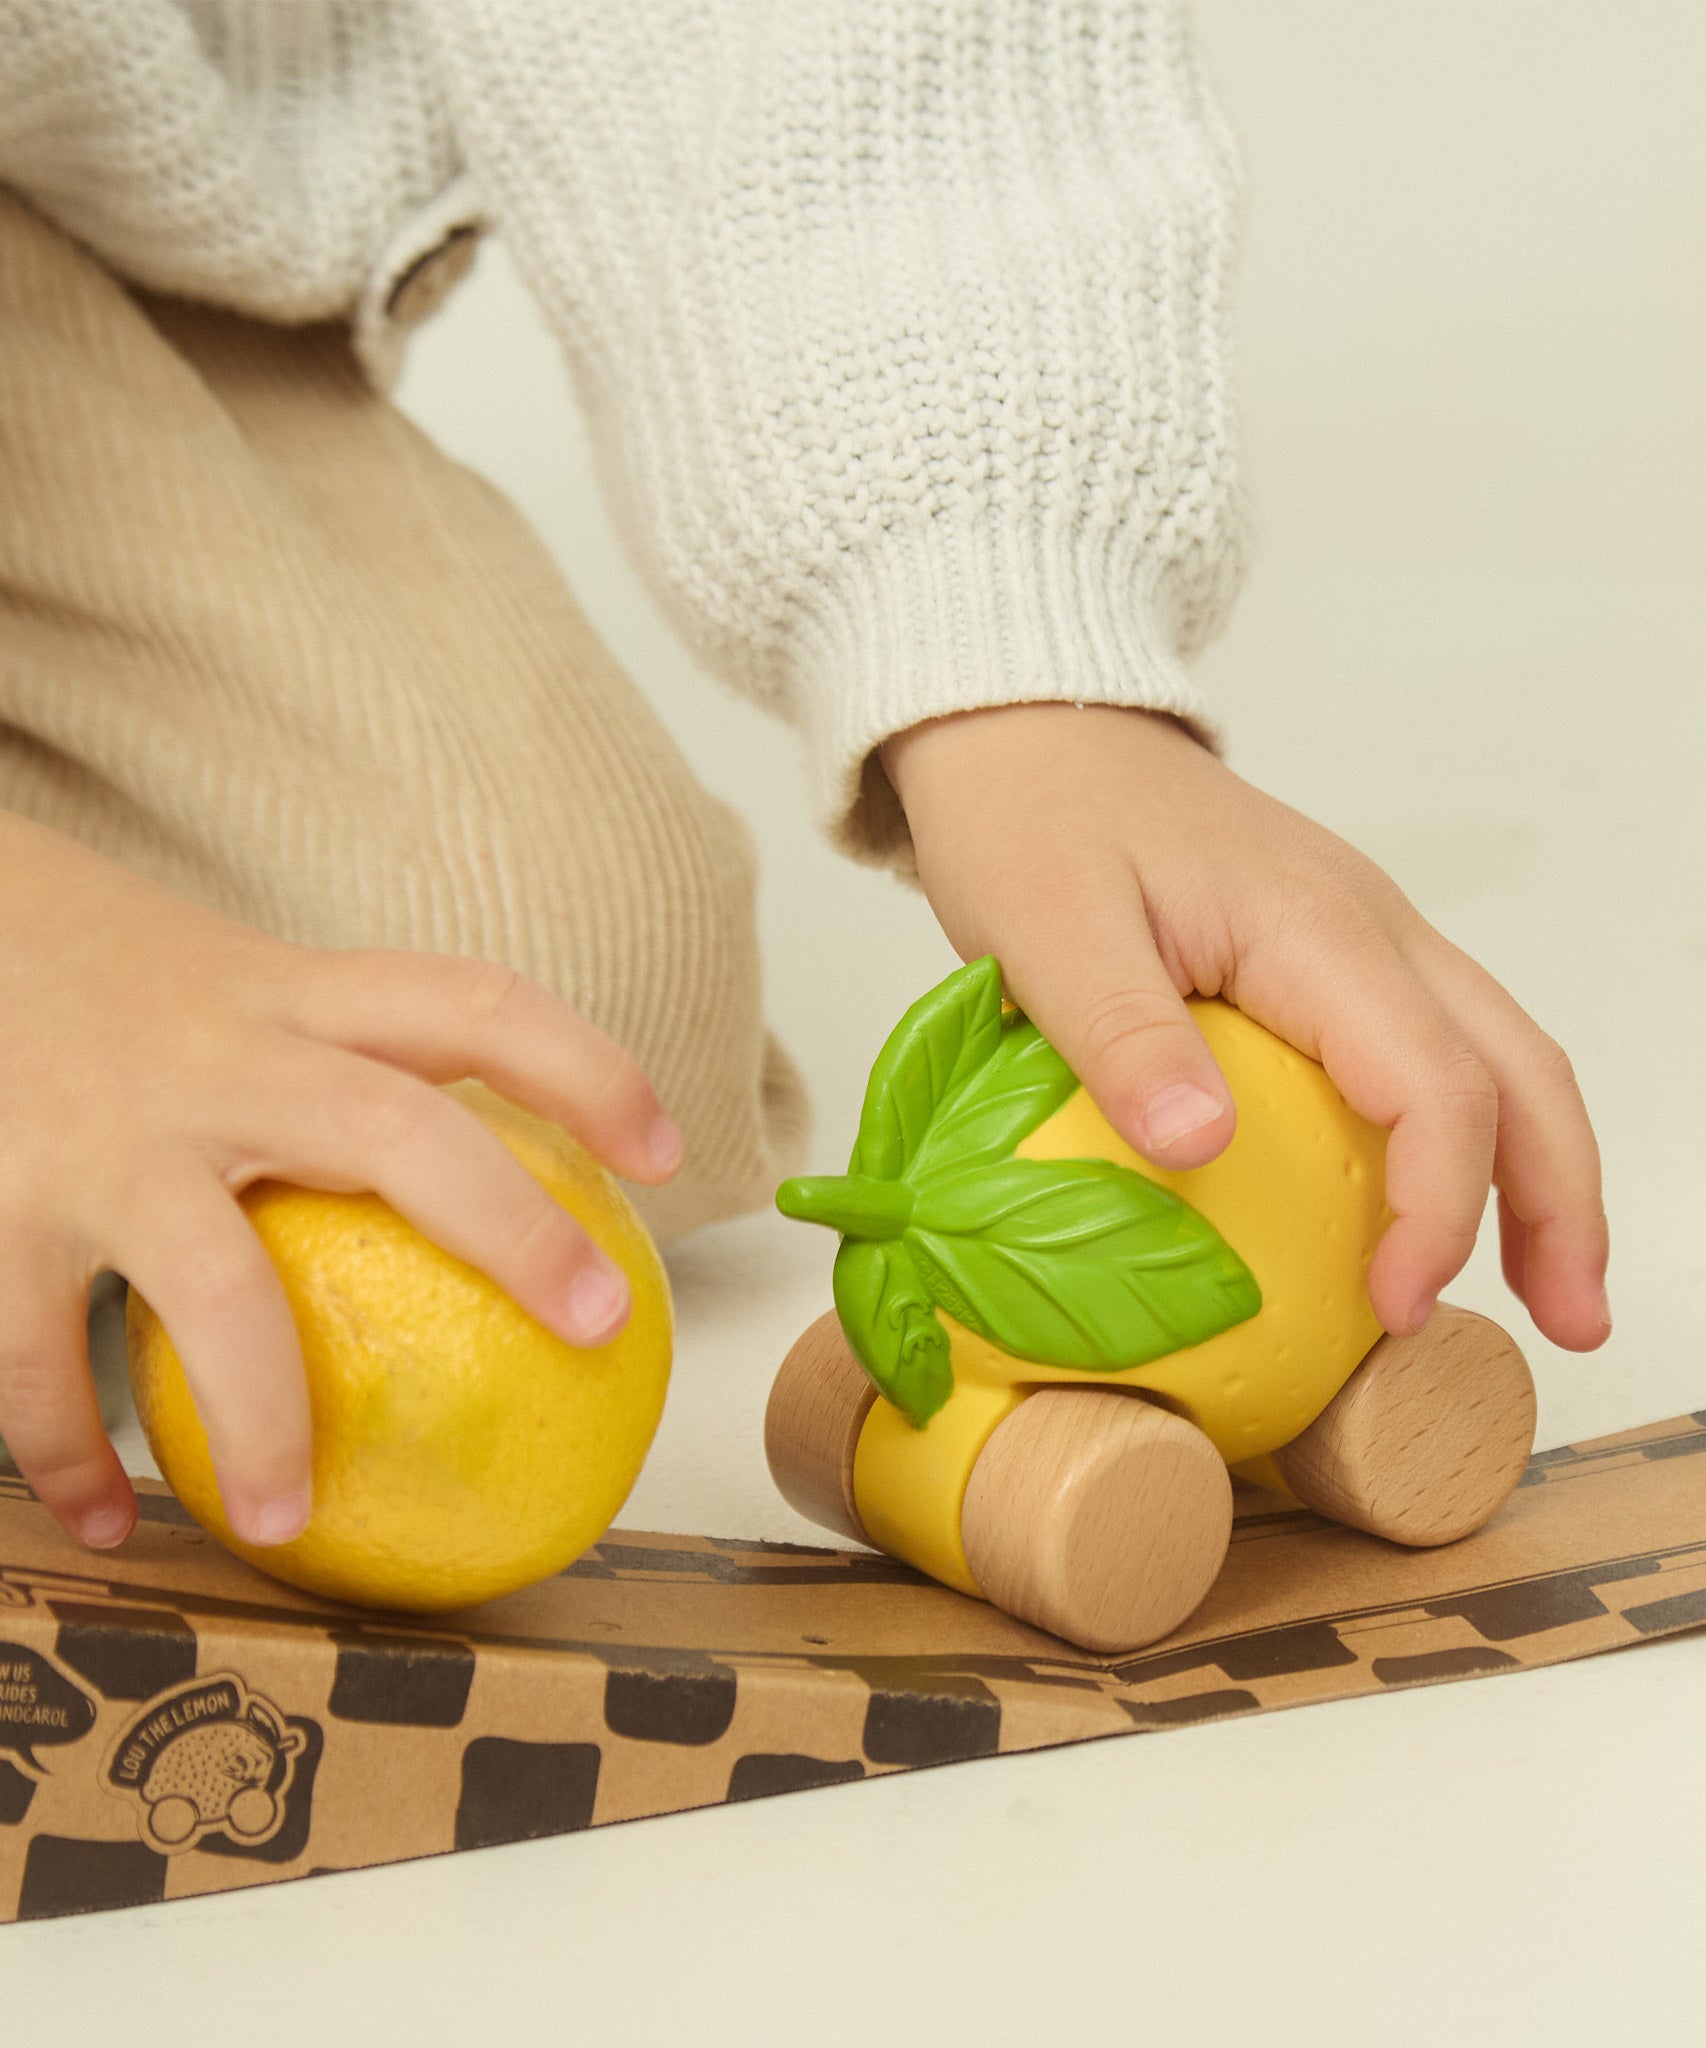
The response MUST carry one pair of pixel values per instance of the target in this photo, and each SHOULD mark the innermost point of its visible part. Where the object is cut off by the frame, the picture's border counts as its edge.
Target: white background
(1472, 327)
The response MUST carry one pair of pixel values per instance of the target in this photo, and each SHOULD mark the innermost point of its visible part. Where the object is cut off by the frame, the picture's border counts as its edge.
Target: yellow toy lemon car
(1047, 1353)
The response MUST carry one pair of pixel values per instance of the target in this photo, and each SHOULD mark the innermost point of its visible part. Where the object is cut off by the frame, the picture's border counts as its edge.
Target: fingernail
(1605, 1311)
(665, 1147)
(1420, 1313)
(1176, 1112)
(278, 1521)
(106, 1528)
(598, 1302)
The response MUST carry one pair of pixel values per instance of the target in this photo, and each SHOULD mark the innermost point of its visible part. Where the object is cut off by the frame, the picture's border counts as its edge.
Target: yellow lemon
(1299, 1194)
(460, 1449)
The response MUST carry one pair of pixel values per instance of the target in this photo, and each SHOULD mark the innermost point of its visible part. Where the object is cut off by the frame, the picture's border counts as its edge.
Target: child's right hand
(1112, 865)
(157, 1057)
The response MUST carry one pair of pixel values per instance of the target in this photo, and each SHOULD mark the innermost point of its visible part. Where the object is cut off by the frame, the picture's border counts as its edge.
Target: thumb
(1090, 978)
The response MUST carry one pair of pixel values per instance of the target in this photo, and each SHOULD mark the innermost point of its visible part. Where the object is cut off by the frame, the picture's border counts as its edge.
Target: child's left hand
(1113, 866)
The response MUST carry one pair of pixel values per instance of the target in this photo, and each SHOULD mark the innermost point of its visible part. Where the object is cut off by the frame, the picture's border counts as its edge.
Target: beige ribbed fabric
(901, 328)
(263, 642)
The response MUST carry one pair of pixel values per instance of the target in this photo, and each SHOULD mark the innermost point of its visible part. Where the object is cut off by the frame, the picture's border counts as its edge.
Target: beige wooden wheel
(1097, 1516)
(1427, 1437)
(817, 1408)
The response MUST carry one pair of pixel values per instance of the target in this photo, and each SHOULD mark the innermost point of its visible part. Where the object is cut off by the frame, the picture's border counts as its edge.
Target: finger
(340, 1122)
(445, 1018)
(194, 1257)
(49, 1416)
(1556, 1243)
(1081, 962)
(1402, 1062)
(1513, 1248)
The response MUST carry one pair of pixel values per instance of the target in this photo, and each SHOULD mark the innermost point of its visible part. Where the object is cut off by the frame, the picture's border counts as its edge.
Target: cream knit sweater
(901, 324)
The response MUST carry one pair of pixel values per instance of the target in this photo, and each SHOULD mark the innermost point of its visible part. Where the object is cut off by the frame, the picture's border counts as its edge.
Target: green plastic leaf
(928, 1057)
(878, 1209)
(1022, 1082)
(1076, 1262)
(886, 1313)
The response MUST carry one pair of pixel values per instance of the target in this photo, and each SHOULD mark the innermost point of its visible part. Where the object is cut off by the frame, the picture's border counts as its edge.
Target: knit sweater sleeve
(901, 326)
(256, 154)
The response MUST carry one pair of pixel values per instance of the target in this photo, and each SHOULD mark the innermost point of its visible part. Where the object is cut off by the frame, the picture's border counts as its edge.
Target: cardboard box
(173, 1723)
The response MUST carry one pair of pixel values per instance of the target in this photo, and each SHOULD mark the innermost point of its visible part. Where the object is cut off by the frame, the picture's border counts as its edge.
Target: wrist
(981, 748)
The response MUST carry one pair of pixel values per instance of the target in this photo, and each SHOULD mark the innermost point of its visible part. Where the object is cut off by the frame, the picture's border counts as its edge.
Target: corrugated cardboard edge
(172, 1723)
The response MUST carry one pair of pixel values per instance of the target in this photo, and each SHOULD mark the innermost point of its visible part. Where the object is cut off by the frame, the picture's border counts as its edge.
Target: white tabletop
(1473, 643)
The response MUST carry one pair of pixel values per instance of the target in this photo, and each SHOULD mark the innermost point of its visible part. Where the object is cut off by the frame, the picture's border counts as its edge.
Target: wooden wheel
(1097, 1516)
(1426, 1439)
(817, 1408)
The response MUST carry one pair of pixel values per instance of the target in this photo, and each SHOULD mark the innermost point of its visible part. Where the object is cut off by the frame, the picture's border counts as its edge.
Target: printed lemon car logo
(208, 1755)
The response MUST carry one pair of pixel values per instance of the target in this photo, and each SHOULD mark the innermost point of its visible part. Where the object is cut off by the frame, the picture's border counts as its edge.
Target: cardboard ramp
(173, 1723)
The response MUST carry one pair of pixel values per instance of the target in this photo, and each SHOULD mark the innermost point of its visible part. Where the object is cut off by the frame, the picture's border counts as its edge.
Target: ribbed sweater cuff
(961, 616)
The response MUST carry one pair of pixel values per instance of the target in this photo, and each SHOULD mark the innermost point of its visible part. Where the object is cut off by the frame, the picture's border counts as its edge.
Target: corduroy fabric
(901, 328)
(260, 640)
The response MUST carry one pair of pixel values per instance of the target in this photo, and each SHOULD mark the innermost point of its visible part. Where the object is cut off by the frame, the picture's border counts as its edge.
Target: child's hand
(156, 1058)
(1113, 865)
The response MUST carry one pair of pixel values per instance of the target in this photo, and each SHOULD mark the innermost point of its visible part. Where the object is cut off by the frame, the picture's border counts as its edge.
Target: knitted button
(431, 278)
